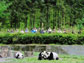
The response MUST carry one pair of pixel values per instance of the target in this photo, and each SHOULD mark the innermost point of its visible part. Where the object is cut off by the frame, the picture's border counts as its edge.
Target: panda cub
(19, 55)
(48, 56)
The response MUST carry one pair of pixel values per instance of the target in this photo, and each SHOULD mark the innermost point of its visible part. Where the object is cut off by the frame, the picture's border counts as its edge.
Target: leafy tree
(41, 13)
(4, 14)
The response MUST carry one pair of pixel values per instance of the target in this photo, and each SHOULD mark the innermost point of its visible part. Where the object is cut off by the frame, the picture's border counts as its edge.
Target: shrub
(41, 39)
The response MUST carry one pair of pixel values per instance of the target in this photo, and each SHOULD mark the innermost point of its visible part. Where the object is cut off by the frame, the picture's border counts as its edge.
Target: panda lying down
(48, 56)
(19, 55)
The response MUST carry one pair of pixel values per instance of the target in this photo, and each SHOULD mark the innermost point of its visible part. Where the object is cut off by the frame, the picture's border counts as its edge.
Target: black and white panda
(19, 55)
(48, 56)
(0, 56)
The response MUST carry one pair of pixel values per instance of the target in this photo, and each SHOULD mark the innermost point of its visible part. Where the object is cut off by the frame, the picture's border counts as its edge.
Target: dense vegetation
(39, 13)
(18, 38)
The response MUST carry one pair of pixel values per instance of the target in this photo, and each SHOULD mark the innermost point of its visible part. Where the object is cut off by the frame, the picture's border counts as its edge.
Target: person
(39, 30)
(73, 32)
(21, 31)
(12, 31)
(8, 30)
(26, 30)
(59, 31)
(54, 30)
(42, 31)
(34, 30)
(49, 30)
(17, 30)
(64, 31)
(79, 32)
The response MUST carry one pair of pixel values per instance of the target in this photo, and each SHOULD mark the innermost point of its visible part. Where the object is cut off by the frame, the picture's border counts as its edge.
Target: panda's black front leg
(40, 57)
(51, 56)
(17, 56)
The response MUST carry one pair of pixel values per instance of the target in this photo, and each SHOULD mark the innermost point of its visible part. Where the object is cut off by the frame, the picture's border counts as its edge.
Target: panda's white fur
(48, 55)
(19, 55)
(45, 54)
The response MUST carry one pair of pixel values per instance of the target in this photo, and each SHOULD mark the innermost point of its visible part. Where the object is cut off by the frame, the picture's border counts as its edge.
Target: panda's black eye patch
(47, 53)
(18, 55)
(44, 55)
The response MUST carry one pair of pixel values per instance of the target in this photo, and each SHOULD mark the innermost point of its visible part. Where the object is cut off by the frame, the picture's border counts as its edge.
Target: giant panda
(19, 55)
(48, 56)
(0, 56)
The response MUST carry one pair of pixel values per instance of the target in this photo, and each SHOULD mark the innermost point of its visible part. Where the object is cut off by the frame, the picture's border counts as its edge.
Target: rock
(28, 53)
(5, 51)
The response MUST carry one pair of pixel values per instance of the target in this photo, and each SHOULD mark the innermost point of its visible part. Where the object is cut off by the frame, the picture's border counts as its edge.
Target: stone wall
(61, 49)
(9, 51)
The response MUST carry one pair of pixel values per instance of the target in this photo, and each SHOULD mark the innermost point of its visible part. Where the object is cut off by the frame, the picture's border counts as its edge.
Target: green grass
(2, 44)
(64, 59)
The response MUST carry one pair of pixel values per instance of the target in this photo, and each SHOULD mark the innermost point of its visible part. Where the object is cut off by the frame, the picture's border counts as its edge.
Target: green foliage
(65, 59)
(4, 14)
(3, 7)
(35, 13)
(41, 39)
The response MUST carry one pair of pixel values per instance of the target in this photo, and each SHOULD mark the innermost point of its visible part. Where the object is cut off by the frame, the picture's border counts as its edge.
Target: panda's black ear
(46, 52)
(17, 56)
(40, 57)
(0, 56)
(57, 58)
(42, 51)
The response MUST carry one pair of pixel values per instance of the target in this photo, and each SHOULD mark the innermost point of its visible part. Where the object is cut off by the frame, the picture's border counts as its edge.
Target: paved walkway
(2, 60)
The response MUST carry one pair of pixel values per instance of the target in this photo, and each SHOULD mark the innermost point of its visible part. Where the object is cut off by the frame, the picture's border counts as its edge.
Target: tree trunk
(30, 21)
(33, 20)
(47, 17)
(26, 21)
